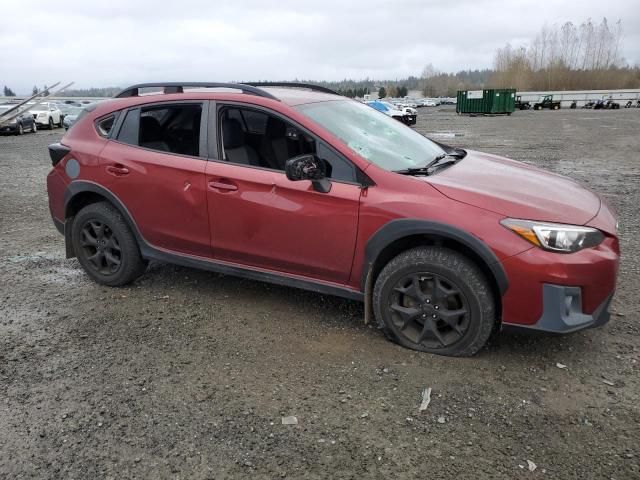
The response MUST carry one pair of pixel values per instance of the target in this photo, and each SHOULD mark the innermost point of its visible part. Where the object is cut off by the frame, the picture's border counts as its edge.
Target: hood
(515, 189)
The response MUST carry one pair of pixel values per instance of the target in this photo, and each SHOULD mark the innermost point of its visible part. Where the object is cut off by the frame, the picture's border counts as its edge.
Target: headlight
(555, 237)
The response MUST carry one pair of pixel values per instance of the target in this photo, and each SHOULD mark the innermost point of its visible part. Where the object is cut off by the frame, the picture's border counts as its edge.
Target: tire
(556, 107)
(60, 124)
(448, 284)
(50, 126)
(19, 129)
(116, 244)
(34, 127)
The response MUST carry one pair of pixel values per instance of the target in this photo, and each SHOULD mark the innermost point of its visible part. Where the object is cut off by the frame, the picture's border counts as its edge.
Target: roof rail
(315, 88)
(178, 87)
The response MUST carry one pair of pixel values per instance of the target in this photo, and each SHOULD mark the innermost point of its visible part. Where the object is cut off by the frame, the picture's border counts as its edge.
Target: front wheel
(19, 129)
(34, 127)
(50, 125)
(434, 300)
(105, 246)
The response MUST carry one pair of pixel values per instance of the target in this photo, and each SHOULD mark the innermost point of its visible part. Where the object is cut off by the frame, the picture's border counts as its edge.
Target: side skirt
(262, 275)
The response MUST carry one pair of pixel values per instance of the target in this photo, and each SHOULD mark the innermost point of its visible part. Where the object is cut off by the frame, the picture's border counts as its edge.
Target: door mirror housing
(308, 167)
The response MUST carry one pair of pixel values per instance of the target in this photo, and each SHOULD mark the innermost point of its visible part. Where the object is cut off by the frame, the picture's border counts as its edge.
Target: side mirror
(308, 167)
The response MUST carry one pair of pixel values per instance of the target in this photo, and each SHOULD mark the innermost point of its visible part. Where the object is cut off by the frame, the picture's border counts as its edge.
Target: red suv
(295, 185)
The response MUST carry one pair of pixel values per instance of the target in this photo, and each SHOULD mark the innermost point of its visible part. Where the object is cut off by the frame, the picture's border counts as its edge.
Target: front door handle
(117, 170)
(222, 185)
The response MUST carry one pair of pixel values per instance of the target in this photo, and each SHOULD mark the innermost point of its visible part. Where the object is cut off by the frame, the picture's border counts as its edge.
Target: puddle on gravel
(37, 257)
(445, 134)
(55, 269)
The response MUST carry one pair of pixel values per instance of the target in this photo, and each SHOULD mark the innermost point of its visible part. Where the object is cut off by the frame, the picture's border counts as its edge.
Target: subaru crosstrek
(295, 185)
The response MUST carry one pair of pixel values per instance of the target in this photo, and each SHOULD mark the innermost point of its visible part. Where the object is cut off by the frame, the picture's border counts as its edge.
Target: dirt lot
(187, 374)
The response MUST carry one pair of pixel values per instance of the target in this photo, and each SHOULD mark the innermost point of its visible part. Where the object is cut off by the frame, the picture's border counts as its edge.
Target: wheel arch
(399, 235)
(81, 193)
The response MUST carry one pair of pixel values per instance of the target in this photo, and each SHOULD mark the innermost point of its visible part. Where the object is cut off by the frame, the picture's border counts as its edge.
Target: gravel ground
(187, 374)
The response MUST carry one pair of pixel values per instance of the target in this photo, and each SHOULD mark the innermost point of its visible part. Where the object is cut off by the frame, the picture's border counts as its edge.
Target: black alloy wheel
(433, 299)
(429, 310)
(100, 247)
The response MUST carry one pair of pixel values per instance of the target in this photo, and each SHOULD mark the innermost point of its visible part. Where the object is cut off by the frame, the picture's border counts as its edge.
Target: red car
(295, 185)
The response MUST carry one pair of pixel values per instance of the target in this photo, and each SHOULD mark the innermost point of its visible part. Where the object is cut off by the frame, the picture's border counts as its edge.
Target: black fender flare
(82, 186)
(406, 227)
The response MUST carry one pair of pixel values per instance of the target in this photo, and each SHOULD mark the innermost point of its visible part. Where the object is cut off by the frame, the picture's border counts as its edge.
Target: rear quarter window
(104, 125)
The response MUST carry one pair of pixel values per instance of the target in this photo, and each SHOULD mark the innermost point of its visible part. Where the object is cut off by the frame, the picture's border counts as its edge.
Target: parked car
(392, 111)
(70, 116)
(427, 102)
(295, 185)
(19, 124)
(408, 103)
(411, 112)
(47, 115)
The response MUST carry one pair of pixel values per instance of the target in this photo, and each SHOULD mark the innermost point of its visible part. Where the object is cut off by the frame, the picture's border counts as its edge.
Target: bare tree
(566, 57)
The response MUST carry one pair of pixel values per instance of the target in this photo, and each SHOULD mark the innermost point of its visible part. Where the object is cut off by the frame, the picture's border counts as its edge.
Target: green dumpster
(494, 101)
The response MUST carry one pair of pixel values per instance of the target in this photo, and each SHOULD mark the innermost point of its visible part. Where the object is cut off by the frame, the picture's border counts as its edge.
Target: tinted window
(166, 128)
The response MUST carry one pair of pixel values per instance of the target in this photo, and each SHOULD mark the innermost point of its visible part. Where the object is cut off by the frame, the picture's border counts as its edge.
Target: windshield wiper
(451, 157)
(439, 161)
(414, 171)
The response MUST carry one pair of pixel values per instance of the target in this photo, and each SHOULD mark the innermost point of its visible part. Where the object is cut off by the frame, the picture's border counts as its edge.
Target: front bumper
(562, 312)
(557, 292)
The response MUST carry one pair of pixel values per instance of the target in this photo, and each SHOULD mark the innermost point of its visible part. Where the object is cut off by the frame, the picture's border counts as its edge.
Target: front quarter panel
(397, 196)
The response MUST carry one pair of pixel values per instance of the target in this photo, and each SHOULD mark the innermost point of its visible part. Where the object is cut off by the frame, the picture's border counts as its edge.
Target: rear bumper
(13, 128)
(562, 312)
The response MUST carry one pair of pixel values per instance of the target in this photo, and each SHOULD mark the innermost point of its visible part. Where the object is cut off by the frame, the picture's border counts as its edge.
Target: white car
(408, 110)
(428, 103)
(393, 111)
(47, 115)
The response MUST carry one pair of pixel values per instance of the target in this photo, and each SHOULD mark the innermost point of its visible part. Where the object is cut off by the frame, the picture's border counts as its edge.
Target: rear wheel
(19, 129)
(34, 127)
(60, 123)
(434, 300)
(50, 124)
(105, 246)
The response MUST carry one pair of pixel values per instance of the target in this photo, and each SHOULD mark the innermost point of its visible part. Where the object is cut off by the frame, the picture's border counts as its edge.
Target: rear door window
(171, 128)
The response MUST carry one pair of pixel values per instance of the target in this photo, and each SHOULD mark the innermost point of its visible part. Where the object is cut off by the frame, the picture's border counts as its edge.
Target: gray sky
(117, 42)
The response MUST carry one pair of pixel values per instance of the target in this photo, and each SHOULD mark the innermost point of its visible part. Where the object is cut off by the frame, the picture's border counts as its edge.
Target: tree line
(567, 57)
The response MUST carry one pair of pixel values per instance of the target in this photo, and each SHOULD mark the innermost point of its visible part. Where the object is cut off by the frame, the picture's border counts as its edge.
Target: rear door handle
(117, 170)
(221, 185)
